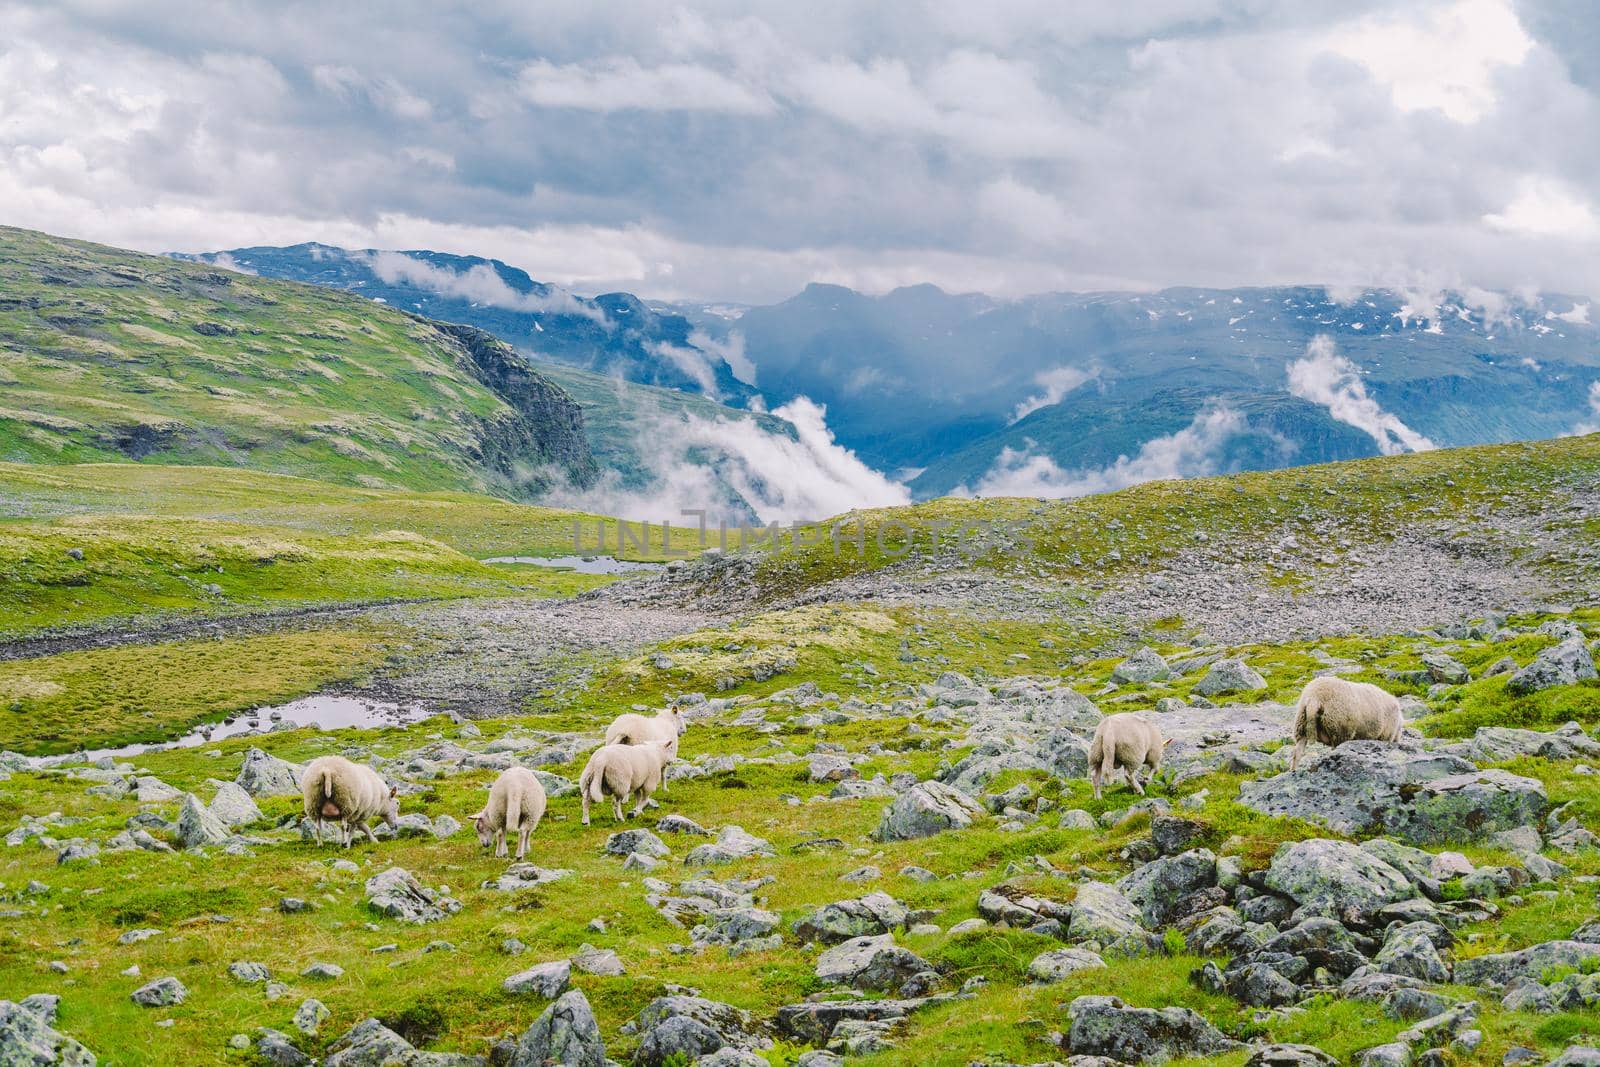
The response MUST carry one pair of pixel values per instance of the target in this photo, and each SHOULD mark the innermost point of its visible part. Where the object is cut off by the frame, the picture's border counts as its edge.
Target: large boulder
(734, 1026)
(1145, 665)
(265, 775)
(1421, 797)
(871, 963)
(925, 809)
(1106, 1026)
(1335, 878)
(1502, 968)
(234, 806)
(1100, 913)
(1159, 885)
(875, 913)
(28, 1036)
(1563, 664)
(732, 844)
(198, 825)
(565, 1033)
(397, 894)
(1230, 676)
(1494, 744)
(1057, 963)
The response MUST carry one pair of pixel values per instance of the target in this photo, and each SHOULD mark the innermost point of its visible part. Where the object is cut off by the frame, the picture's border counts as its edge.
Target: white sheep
(516, 804)
(631, 728)
(347, 793)
(623, 771)
(1333, 711)
(1125, 741)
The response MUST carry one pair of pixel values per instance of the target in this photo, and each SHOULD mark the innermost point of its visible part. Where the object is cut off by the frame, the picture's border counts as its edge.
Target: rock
(679, 824)
(160, 993)
(831, 767)
(369, 1044)
(735, 1026)
(278, 1049)
(547, 980)
(875, 913)
(525, 876)
(1158, 886)
(1335, 878)
(601, 961)
(1145, 665)
(732, 926)
(1578, 1056)
(234, 806)
(1501, 968)
(197, 825)
(1424, 798)
(1173, 835)
(28, 1037)
(1100, 913)
(1494, 744)
(1567, 663)
(925, 809)
(869, 963)
(628, 842)
(732, 844)
(1290, 1056)
(1056, 964)
(566, 1033)
(680, 1039)
(1229, 676)
(1444, 669)
(309, 1017)
(1077, 819)
(1105, 1026)
(268, 776)
(248, 972)
(1392, 1054)
(325, 972)
(1409, 950)
(397, 894)
(148, 790)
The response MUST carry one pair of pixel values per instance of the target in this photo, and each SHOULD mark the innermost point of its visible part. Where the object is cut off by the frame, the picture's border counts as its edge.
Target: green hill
(108, 355)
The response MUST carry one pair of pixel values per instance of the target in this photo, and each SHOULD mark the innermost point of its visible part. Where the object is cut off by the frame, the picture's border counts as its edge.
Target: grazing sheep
(1125, 741)
(1333, 711)
(635, 729)
(349, 794)
(516, 804)
(624, 771)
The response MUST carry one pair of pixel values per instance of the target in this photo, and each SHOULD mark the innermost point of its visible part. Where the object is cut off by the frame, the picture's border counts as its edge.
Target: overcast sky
(738, 151)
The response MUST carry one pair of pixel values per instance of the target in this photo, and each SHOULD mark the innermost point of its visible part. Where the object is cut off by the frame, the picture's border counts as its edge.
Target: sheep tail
(513, 809)
(591, 785)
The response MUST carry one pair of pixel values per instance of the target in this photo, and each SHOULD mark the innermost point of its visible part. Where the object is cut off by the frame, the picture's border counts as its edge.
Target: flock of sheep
(633, 761)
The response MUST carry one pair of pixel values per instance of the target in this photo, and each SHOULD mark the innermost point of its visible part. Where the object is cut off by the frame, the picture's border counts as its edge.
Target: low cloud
(1056, 384)
(480, 284)
(730, 351)
(735, 468)
(694, 363)
(1590, 425)
(1324, 377)
(1191, 452)
(1577, 315)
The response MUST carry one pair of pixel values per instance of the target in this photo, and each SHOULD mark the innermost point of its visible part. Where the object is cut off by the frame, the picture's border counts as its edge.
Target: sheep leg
(1133, 780)
(644, 798)
(500, 844)
(1299, 750)
(522, 843)
(616, 806)
(344, 834)
(586, 807)
(317, 822)
(367, 830)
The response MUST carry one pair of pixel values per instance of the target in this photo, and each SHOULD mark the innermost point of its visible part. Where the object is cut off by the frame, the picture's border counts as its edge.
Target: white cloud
(694, 363)
(1057, 383)
(1577, 314)
(1191, 452)
(622, 84)
(730, 350)
(1439, 57)
(1327, 378)
(1544, 208)
(1589, 426)
(479, 283)
(738, 464)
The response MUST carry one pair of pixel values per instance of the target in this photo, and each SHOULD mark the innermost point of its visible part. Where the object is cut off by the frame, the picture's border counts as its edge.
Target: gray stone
(1229, 676)
(324, 972)
(1100, 913)
(875, 913)
(264, 775)
(309, 1016)
(547, 980)
(1145, 665)
(732, 844)
(1335, 878)
(925, 809)
(1564, 664)
(869, 963)
(627, 842)
(1158, 886)
(234, 806)
(601, 961)
(679, 1039)
(1056, 964)
(1284, 1055)
(28, 1037)
(1494, 744)
(1502, 968)
(1409, 950)
(249, 972)
(160, 993)
(1106, 1026)
(565, 1033)
(197, 825)
(397, 894)
(278, 1049)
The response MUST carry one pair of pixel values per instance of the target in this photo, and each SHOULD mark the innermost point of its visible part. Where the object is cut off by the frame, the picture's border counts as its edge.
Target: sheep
(1125, 741)
(516, 804)
(1332, 710)
(632, 728)
(336, 789)
(623, 771)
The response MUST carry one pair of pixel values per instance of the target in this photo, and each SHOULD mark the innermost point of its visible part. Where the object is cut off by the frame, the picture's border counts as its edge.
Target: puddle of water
(582, 564)
(324, 712)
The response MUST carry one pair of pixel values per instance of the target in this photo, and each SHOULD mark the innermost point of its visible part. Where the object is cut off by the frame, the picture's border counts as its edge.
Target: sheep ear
(477, 815)
(1168, 741)
(394, 791)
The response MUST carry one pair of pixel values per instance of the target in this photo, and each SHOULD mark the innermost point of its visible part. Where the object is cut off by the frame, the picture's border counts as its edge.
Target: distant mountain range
(961, 392)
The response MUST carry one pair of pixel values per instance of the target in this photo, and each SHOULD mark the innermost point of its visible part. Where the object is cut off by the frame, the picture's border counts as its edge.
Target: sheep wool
(516, 804)
(1128, 742)
(1332, 711)
(621, 771)
(336, 790)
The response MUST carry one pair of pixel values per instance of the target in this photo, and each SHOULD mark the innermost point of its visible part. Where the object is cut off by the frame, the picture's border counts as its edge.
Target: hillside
(110, 355)
(879, 844)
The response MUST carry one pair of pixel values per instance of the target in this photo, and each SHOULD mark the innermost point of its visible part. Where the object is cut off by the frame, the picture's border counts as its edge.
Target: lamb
(347, 793)
(1125, 741)
(1333, 711)
(516, 804)
(624, 771)
(632, 728)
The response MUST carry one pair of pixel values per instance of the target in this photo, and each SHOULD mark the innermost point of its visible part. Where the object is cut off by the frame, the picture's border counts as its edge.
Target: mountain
(917, 374)
(113, 355)
(614, 334)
